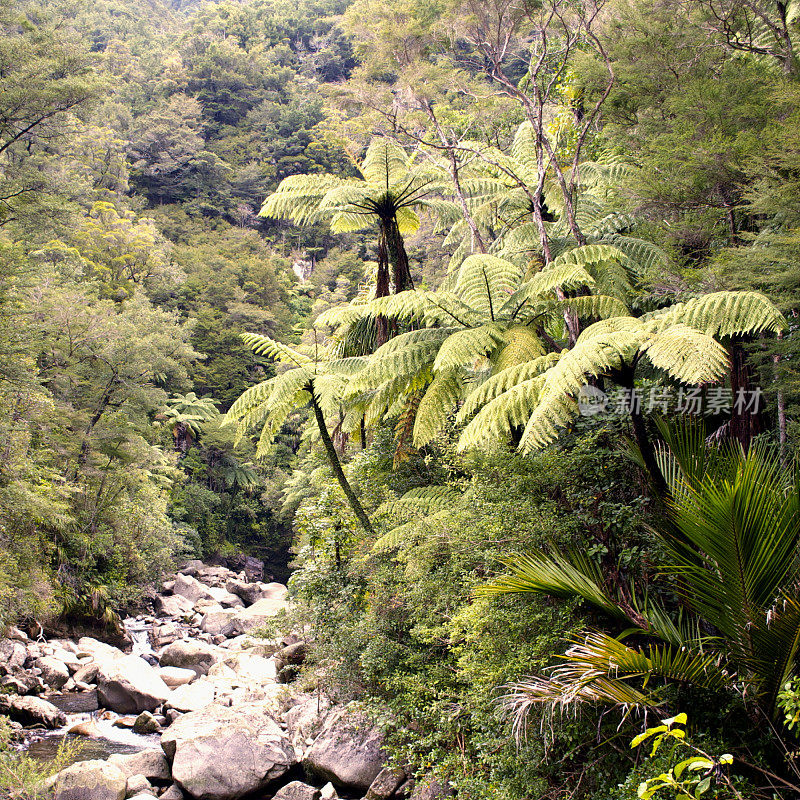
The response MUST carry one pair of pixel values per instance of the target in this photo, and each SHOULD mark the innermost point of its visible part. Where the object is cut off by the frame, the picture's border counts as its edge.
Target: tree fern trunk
(398, 258)
(336, 466)
(640, 433)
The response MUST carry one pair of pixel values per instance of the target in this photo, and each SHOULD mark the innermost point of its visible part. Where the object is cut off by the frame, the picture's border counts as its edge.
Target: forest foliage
(479, 318)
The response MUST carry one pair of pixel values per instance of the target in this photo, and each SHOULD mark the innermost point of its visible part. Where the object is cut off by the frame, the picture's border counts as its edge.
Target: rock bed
(220, 716)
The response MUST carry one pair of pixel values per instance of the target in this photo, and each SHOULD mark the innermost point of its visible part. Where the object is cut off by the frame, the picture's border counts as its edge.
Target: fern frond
(466, 346)
(687, 355)
(502, 381)
(723, 314)
(439, 400)
(265, 346)
(485, 282)
(521, 344)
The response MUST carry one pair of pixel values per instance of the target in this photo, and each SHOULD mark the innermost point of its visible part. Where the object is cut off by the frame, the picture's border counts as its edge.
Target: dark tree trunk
(398, 258)
(336, 465)
(640, 433)
(746, 421)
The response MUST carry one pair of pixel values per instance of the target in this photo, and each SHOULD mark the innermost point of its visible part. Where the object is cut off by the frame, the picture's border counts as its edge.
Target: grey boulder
(90, 780)
(297, 791)
(130, 685)
(223, 753)
(32, 711)
(54, 672)
(187, 654)
(150, 763)
(348, 750)
(386, 784)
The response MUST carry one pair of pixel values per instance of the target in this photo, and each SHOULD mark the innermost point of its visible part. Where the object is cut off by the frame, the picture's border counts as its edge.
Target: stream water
(81, 707)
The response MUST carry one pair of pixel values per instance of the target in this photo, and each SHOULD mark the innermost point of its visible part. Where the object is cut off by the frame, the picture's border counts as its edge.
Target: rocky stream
(195, 707)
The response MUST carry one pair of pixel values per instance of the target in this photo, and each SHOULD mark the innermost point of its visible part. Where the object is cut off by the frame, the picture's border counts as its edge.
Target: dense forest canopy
(478, 318)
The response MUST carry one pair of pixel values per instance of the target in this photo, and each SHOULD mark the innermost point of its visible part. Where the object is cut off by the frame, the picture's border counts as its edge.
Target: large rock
(97, 649)
(12, 654)
(245, 668)
(130, 685)
(348, 751)
(387, 782)
(220, 623)
(223, 753)
(90, 780)
(305, 719)
(32, 711)
(191, 589)
(175, 605)
(225, 598)
(54, 672)
(253, 592)
(176, 676)
(150, 763)
(87, 673)
(139, 786)
(297, 791)
(192, 567)
(259, 614)
(192, 697)
(189, 654)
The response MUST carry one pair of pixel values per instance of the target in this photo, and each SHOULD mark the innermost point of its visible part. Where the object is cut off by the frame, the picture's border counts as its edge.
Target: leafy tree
(488, 320)
(185, 415)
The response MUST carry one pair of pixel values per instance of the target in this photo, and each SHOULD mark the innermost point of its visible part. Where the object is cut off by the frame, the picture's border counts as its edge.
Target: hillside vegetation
(478, 319)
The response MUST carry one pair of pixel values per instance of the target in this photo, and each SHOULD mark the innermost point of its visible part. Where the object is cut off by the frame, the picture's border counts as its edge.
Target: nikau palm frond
(734, 546)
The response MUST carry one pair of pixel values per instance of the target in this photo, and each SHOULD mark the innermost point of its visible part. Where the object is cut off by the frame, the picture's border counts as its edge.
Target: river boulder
(297, 791)
(32, 711)
(150, 763)
(190, 654)
(90, 780)
(176, 676)
(191, 589)
(12, 654)
(130, 685)
(54, 672)
(222, 753)
(174, 605)
(387, 782)
(348, 750)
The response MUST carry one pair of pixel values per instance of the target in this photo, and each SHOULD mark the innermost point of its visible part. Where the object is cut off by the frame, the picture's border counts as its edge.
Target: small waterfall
(139, 630)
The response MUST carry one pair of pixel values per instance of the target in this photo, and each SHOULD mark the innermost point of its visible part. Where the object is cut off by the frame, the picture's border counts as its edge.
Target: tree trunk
(382, 285)
(398, 258)
(336, 465)
(639, 425)
(745, 423)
